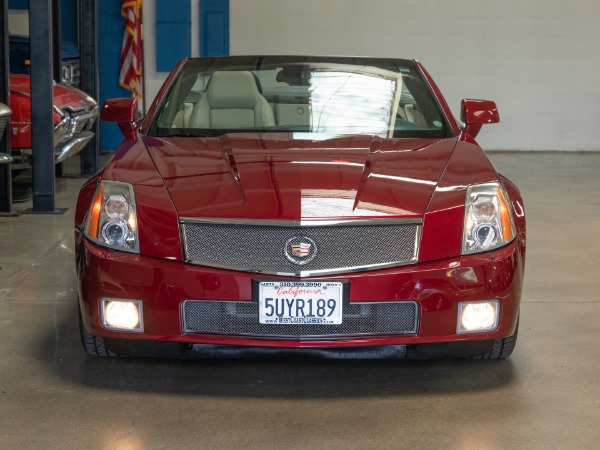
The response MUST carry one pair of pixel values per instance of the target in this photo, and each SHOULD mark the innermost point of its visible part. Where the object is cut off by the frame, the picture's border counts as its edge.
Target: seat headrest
(235, 90)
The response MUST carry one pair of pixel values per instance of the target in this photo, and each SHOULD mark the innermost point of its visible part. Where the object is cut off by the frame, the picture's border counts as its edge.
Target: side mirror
(125, 112)
(475, 113)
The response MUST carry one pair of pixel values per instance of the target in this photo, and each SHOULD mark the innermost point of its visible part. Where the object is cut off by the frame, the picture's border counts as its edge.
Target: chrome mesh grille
(261, 248)
(241, 318)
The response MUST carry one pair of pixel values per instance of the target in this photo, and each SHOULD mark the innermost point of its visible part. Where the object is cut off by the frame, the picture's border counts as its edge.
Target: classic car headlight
(488, 220)
(112, 220)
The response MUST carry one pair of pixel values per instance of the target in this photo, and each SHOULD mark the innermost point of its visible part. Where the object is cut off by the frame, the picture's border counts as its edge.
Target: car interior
(302, 99)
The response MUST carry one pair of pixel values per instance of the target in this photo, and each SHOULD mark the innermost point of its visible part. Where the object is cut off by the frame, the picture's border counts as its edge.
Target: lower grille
(241, 318)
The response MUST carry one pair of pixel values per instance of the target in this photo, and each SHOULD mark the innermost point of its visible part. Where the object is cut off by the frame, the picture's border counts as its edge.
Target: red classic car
(74, 115)
(329, 205)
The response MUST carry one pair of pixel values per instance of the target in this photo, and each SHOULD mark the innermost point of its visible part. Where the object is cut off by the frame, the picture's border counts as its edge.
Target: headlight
(488, 219)
(112, 220)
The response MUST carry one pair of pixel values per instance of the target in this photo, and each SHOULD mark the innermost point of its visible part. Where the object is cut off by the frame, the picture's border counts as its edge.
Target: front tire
(503, 348)
(93, 345)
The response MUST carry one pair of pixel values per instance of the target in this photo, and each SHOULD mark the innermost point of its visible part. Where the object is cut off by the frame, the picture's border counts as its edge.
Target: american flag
(130, 75)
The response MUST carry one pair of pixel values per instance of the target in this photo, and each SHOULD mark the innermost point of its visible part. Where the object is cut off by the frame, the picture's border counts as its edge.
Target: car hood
(277, 177)
(64, 96)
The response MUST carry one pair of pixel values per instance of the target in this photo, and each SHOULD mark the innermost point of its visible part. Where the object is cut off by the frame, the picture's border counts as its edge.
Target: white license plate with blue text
(304, 303)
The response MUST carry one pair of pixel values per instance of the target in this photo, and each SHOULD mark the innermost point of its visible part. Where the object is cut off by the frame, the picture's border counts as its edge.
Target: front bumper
(23, 156)
(71, 134)
(163, 285)
(72, 147)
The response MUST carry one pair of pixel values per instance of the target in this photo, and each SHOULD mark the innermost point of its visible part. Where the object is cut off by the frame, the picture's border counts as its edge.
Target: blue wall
(214, 27)
(173, 33)
(18, 4)
(68, 17)
(68, 21)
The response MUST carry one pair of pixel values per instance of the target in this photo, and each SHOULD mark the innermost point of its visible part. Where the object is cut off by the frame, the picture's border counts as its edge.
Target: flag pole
(145, 108)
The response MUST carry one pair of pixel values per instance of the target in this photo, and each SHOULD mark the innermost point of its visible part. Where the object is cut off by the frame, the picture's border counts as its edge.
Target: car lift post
(42, 136)
(88, 43)
(5, 157)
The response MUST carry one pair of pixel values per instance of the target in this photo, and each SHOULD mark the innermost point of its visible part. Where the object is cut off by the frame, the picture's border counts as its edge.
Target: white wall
(538, 59)
(18, 21)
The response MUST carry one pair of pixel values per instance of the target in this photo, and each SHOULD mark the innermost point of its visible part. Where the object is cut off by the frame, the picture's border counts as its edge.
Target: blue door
(214, 27)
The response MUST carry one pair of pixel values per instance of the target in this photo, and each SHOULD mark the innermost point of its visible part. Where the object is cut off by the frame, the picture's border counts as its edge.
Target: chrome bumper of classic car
(21, 158)
(72, 147)
(71, 134)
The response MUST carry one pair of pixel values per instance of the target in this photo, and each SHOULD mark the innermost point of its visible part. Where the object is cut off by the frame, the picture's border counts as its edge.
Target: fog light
(478, 317)
(122, 315)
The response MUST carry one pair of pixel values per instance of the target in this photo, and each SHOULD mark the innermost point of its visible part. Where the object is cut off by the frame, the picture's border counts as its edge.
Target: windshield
(314, 99)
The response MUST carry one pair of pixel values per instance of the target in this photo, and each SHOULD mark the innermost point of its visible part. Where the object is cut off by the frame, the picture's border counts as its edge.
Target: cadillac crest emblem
(300, 250)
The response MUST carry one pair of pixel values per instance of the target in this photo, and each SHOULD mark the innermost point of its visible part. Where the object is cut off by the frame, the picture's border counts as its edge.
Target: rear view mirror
(475, 113)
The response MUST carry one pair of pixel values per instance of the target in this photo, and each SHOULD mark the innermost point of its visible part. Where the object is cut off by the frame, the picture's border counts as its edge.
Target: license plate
(304, 303)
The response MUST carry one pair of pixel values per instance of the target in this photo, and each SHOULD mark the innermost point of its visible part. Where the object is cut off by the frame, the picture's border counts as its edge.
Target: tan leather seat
(182, 119)
(414, 116)
(231, 101)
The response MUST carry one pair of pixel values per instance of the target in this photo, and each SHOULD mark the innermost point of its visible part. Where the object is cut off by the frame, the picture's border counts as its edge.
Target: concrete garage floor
(547, 395)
